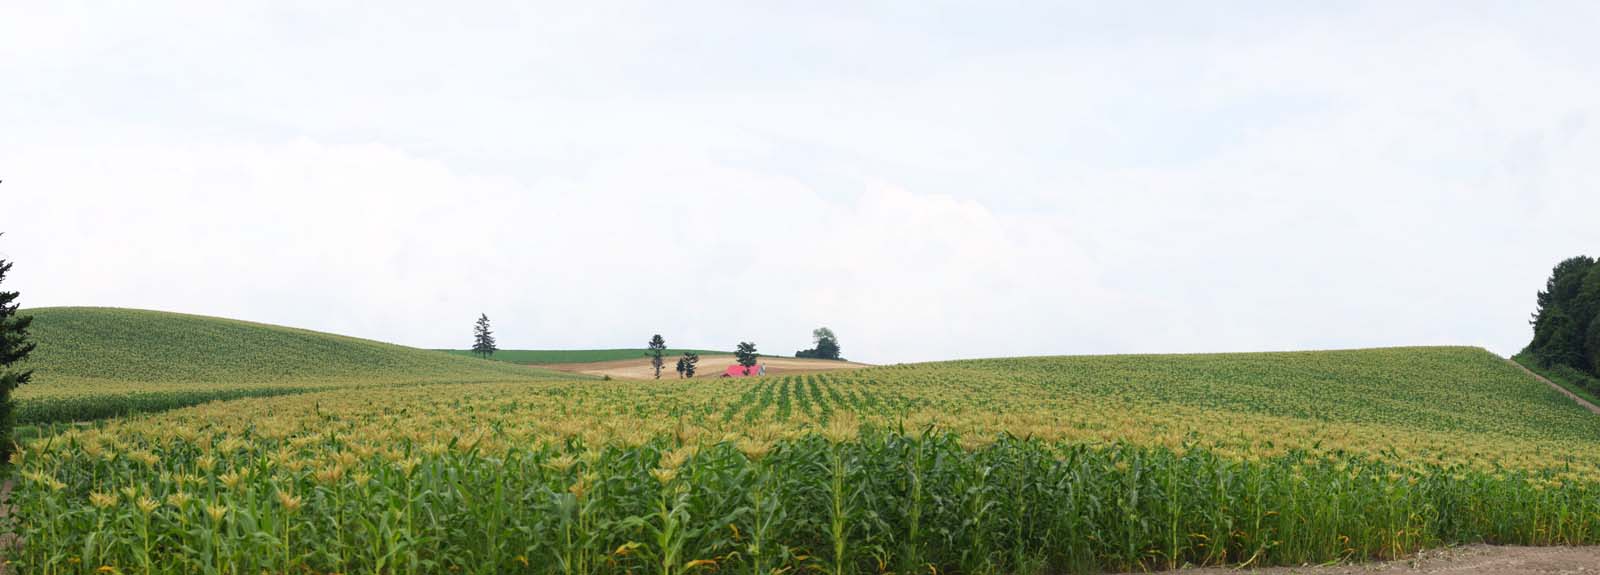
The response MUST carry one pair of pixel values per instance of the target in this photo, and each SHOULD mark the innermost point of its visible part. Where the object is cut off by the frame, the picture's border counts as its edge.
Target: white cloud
(952, 184)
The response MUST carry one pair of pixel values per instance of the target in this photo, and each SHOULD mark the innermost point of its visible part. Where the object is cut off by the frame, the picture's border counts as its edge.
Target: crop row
(883, 500)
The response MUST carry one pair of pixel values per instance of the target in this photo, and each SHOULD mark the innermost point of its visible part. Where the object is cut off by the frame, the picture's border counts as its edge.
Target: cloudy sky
(932, 180)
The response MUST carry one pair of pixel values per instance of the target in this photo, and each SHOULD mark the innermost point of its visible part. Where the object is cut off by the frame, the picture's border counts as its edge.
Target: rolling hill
(1019, 465)
(1051, 464)
(97, 362)
(560, 356)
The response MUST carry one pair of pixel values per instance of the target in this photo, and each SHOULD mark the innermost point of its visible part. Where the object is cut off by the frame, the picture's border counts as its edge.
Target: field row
(344, 496)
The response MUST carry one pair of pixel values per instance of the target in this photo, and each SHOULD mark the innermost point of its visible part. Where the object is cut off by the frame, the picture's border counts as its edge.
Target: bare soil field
(709, 366)
(1468, 560)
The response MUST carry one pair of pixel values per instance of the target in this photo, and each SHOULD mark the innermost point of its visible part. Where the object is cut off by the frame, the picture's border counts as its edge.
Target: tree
(1566, 314)
(747, 355)
(1592, 346)
(826, 345)
(14, 348)
(686, 364)
(658, 347)
(483, 339)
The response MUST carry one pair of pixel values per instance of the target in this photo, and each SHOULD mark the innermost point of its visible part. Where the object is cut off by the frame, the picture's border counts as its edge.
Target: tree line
(1566, 321)
(826, 347)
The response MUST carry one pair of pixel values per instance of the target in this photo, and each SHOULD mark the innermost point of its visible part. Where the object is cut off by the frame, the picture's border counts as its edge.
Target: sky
(932, 180)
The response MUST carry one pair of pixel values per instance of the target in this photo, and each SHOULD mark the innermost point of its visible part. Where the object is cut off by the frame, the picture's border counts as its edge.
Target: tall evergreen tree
(482, 338)
(658, 347)
(14, 348)
(747, 355)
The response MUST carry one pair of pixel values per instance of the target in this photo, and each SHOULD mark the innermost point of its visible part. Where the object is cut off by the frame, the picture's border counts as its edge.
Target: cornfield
(95, 363)
(995, 466)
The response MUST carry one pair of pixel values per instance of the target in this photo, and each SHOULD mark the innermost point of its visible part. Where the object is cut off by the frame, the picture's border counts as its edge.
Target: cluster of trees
(827, 345)
(1566, 324)
(686, 364)
(14, 347)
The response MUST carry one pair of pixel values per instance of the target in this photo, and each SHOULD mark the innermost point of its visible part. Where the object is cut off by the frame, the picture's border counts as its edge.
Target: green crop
(1070, 464)
(94, 363)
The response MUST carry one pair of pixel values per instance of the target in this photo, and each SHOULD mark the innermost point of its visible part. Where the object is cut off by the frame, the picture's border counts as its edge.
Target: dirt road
(709, 366)
(1581, 401)
(1469, 560)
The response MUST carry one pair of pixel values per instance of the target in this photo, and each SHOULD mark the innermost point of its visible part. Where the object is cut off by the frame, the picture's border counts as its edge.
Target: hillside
(562, 356)
(93, 362)
(1431, 388)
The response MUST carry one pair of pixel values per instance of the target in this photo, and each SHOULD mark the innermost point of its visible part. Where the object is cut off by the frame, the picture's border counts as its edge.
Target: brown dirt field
(709, 366)
(1468, 560)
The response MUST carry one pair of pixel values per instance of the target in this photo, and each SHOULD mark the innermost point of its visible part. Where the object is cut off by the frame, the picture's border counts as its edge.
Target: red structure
(737, 370)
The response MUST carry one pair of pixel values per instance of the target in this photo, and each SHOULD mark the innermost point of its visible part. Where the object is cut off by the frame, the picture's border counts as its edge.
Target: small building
(737, 370)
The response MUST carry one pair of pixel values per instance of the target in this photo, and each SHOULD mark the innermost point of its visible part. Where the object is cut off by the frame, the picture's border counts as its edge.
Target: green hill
(1403, 389)
(550, 356)
(95, 362)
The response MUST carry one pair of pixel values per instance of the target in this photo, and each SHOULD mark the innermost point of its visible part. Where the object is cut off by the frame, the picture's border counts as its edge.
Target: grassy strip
(549, 356)
(1577, 382)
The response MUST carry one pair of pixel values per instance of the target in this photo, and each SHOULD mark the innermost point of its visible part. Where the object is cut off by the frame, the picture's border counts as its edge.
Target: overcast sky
(932, 180)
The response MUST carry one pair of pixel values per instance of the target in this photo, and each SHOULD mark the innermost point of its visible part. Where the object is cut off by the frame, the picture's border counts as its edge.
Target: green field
(552, 356)
(1582, 384)
(93, 363)
(1051, 464)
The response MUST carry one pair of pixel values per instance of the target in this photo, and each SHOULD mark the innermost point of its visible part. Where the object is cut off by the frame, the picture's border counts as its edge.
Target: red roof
(737, 370)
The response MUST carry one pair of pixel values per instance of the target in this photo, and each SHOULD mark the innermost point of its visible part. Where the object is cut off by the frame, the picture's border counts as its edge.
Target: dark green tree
(686, 364)
(483, 339)
(1566, 311)
(1592, 346)
(658, 347)
(746, 353)
(14, 348)
(826, 345)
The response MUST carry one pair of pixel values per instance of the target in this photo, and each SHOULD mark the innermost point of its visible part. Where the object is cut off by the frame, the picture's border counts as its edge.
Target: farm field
(101, 362)
(1054, 464)
(568, 356)
(710, 366)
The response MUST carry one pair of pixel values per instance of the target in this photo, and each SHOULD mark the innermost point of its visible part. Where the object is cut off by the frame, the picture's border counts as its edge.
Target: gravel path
(1469, 560)
(1581, 401)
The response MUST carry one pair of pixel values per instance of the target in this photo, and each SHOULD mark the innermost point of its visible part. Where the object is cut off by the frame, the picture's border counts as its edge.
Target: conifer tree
(483, 339)
(658, 346)
(14, 348)
(746, 353)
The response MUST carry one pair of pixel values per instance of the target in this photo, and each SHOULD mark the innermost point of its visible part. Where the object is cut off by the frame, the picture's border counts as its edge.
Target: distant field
(93, 363)
(709, 366)
(549, 356)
